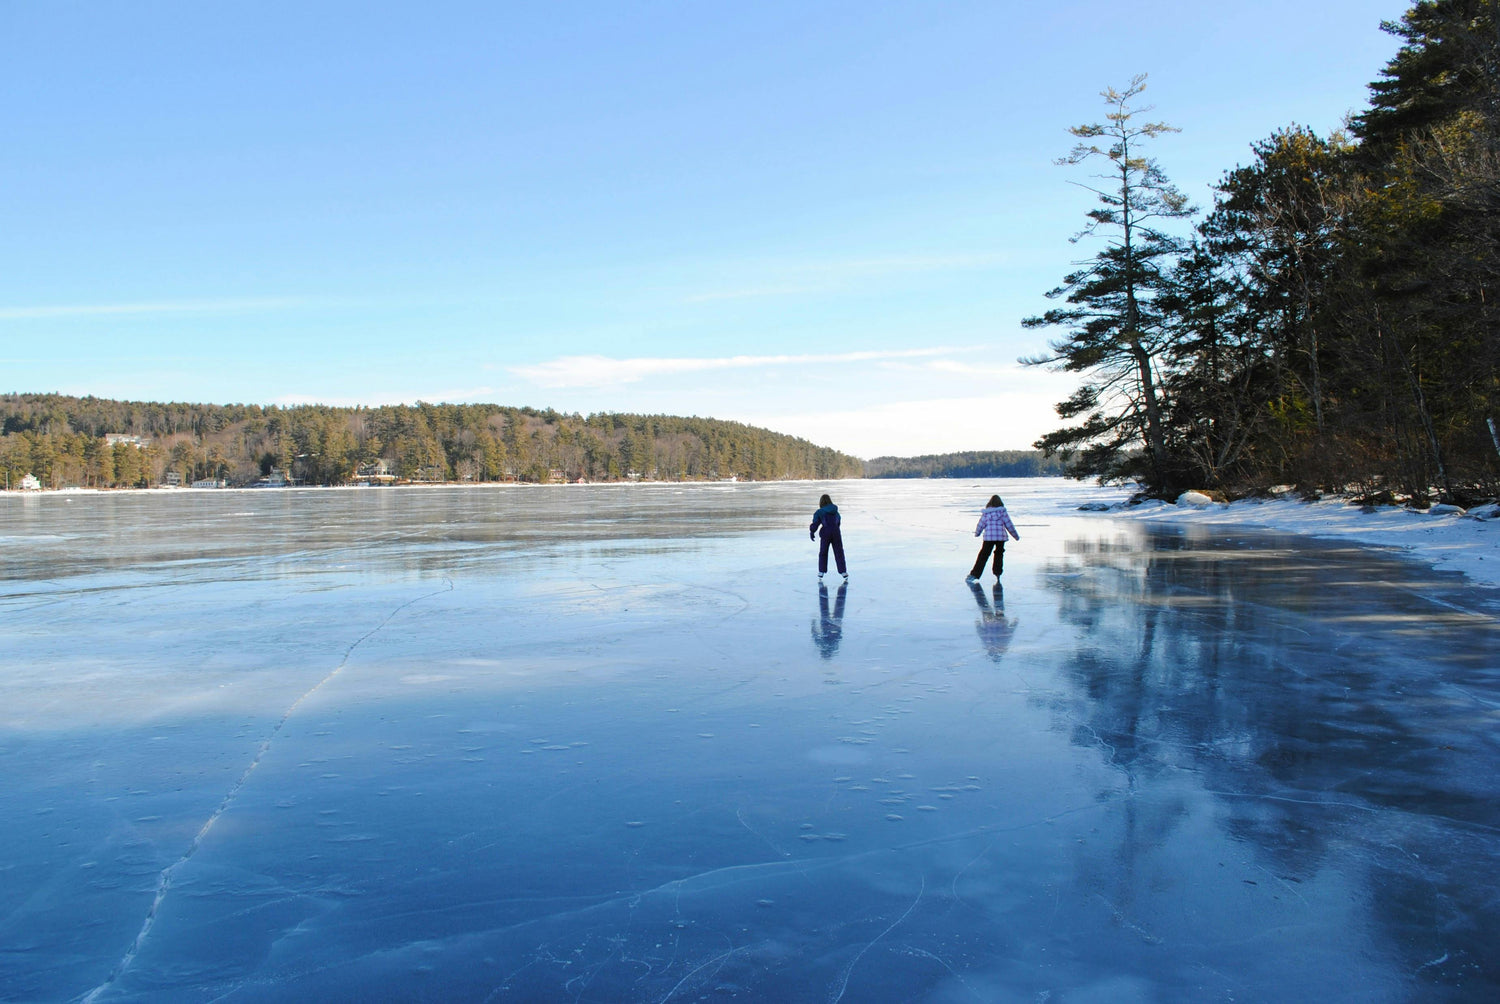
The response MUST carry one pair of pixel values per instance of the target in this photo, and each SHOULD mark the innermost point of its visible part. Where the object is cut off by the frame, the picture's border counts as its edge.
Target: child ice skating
(994, 525)
(827, 518)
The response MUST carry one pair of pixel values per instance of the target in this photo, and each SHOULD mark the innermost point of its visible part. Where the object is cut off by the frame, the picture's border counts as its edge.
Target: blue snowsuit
(827, 518)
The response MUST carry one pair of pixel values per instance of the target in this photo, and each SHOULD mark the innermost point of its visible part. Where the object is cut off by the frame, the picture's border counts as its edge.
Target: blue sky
(824, 218)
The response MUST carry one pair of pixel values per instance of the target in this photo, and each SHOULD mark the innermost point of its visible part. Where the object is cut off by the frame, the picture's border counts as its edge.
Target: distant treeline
(62, 442)
(976, 464)
(1334, 319)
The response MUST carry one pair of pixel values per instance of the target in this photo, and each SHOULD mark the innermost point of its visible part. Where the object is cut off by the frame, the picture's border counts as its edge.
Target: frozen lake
(613, 743)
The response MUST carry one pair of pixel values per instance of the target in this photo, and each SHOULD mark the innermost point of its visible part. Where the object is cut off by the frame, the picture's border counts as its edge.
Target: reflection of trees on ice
(828, 629)
(995, 629)
(1310, 688)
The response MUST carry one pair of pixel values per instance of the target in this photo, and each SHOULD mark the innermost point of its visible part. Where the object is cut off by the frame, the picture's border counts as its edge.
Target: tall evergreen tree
(1216, 370)
(1431, 231)
(1449, 64)
(1115, 334)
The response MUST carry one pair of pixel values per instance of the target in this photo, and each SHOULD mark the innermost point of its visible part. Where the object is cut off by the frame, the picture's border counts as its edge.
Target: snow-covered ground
(1453, 541)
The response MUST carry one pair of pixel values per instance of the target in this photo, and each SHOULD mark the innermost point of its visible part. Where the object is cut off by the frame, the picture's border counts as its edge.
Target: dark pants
(835, 541)
(998, 546)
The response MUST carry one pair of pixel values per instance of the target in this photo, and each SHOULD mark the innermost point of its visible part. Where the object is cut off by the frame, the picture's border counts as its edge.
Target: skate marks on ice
(164, 882)
(860, 925)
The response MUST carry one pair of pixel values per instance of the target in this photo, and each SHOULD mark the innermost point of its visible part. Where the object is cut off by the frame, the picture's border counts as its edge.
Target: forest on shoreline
(1330, 322)
(97, 443)
(974, 464)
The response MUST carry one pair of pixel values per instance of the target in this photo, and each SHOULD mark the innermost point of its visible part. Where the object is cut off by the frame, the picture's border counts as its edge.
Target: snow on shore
(1453, 541)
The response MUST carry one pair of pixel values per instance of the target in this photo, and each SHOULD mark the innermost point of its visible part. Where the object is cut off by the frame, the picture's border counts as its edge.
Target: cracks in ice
(1289, 887)
(998, 832)
(164, 882)
(1099, 740)
(714, 879)
(849, 969)
(588, 977)
(1469, 824)
(924, 953)
(1475, 698)
(721, 958)
(739, 813)
(1124, 920)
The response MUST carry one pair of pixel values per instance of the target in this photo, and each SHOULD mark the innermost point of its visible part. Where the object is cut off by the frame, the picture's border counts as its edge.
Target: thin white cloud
(1007, 421)
(163, 307)
(604, 371)
(960, 368)
(815, 277)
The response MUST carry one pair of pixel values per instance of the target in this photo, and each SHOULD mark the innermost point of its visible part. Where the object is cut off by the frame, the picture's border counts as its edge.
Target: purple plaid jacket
(994, 524)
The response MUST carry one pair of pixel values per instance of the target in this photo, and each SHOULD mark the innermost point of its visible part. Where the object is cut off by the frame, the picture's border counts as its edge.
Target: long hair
(994, 502)
(825, 500)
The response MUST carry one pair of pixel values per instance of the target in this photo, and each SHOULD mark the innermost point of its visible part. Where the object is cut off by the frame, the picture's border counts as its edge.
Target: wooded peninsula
(1331, 322)
(974, 464)
(91, 442)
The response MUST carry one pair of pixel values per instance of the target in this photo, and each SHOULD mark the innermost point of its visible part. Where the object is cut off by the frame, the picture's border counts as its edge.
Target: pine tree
(1431, 232)
(1115, 334)
(1449, 64)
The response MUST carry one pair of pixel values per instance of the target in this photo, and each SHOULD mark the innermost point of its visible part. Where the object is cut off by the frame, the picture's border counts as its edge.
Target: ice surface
(615, 743)
(1440, 536)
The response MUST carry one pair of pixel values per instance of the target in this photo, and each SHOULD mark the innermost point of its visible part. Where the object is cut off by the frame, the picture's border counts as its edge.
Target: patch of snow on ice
(1470, 546)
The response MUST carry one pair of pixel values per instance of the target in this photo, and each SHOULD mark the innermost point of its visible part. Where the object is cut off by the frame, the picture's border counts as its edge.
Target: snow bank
(1447, 538)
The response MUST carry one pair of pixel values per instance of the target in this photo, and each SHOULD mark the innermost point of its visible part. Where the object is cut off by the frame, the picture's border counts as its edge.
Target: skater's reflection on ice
(828, 629)
(995, 629)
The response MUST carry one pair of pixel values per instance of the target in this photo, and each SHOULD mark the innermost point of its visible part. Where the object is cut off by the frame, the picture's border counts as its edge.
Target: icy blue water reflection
(615, 743)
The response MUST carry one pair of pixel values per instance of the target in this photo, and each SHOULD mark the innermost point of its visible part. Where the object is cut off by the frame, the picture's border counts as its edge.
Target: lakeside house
(276, 479)
(376, 472)
(29, 483)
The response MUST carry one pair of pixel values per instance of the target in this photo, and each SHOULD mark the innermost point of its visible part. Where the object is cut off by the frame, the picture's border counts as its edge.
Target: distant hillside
(976, 464)
(94, 442)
